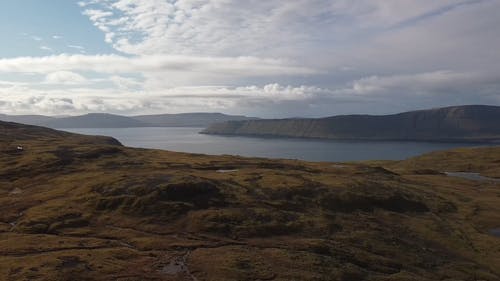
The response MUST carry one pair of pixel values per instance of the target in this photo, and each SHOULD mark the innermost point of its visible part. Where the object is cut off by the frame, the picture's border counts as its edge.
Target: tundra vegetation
(76, 207)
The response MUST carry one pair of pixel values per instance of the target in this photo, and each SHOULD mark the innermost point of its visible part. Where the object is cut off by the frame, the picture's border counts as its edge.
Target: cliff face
(461, 123)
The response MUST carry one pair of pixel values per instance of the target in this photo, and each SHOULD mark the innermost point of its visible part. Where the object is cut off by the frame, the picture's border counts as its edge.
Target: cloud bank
(269, 58)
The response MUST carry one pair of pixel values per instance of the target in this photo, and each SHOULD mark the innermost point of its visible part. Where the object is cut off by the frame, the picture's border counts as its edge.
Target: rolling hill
(76, 207)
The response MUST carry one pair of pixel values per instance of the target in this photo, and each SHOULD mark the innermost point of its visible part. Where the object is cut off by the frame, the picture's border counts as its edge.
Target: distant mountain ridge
(189, 119)
(457, 123)
(94, 120)
(105, 120)
(26, 119)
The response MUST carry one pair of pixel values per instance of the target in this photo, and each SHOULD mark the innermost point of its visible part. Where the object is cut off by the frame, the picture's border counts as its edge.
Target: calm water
(188, 140)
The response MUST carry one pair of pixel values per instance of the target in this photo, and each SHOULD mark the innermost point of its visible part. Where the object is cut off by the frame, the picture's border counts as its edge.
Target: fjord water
(186, 139)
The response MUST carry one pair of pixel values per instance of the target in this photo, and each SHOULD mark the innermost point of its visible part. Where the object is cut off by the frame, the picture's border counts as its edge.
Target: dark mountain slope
(460, 123)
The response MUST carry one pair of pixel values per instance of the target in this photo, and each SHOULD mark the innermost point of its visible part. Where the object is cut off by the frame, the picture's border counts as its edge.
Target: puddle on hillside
(173, 268)
(16, 191)
(178, 266)
(226, 171)
(495, 232)
(471, 176)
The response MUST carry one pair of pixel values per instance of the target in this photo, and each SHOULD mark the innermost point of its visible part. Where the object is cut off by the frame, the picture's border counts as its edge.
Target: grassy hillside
(460, 123)
(75, 207)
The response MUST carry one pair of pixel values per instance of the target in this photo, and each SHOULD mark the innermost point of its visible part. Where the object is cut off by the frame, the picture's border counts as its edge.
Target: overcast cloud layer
(268, 58)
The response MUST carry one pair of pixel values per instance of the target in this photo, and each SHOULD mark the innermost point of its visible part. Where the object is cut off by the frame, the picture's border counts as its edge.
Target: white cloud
(97, 16)
(46, 48)
(76, 47)
(374, 56)
(64, 77)
(17, 98)
(125, 83)
(232, 27)
(460, 40)
(428, 84)
(176, 65)
(383, 13)
(126, 96)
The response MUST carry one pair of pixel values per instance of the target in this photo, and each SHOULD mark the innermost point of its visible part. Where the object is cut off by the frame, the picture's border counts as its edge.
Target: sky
(272, 58)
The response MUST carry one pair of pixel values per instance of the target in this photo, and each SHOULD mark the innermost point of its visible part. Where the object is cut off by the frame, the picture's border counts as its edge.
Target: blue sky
(266, 58)
(31, 24)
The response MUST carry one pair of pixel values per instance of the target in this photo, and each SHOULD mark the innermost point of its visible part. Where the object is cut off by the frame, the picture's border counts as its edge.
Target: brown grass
(90, 209)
